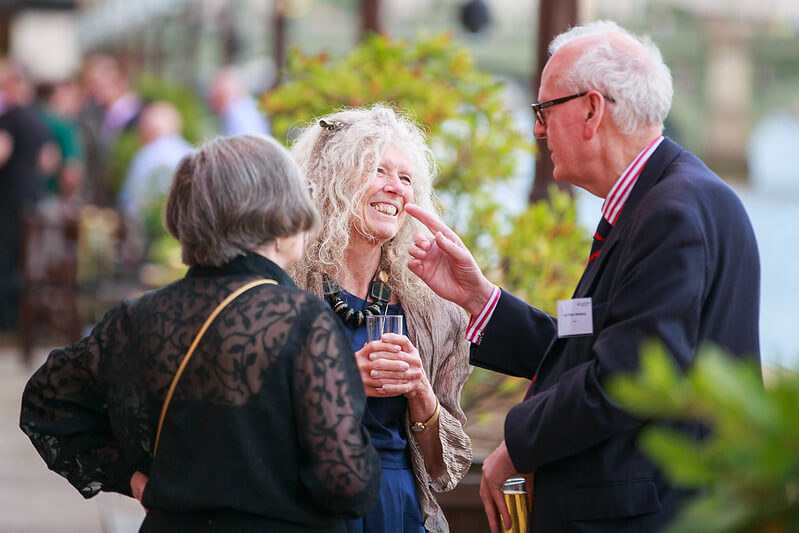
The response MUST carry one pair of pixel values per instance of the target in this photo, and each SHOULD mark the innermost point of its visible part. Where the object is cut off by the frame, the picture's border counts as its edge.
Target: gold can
(515, 492)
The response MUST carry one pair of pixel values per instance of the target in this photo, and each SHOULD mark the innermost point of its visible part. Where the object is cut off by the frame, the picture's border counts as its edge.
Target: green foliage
(163, 250)
(471, 132)
(119, 159)
(546, 253)
(484, 383)
(749, 465)
(165, 262)
(152, 219)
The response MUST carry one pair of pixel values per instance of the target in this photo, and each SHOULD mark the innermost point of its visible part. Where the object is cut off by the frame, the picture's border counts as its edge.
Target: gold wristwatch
(418, 427)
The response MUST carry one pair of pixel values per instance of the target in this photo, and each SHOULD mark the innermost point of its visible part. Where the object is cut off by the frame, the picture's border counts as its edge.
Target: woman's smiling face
(390, 188)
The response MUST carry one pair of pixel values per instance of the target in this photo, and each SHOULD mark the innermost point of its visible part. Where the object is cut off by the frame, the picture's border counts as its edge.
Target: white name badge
(575, 317)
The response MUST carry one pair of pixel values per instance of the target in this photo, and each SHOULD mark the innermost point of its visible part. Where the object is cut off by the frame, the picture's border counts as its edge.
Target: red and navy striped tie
(600, 235)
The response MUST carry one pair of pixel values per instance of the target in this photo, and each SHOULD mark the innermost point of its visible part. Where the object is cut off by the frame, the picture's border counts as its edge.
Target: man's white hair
(639, 83)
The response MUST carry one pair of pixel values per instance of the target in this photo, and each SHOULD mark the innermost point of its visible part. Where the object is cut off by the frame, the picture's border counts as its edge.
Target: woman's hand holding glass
(376, 359)
(410, 382)
(392, 366)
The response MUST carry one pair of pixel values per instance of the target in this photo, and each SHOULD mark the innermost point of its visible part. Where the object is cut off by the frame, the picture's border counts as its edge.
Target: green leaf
(683, 458)
(472, 133)
(748, 466)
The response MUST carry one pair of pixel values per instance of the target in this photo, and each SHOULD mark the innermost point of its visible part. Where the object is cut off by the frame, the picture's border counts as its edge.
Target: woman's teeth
(385, 208)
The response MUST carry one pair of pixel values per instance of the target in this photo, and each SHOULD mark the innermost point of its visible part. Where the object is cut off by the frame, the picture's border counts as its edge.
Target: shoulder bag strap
(232, 296)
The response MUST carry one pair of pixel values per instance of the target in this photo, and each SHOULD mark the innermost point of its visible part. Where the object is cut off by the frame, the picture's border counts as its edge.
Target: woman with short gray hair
(229, 400)
(236, 194)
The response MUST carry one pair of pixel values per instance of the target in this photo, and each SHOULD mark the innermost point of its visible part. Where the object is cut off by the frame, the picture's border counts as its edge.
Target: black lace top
(265, 421)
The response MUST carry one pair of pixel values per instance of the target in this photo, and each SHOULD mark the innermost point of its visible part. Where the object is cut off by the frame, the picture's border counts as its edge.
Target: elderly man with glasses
(674, 258)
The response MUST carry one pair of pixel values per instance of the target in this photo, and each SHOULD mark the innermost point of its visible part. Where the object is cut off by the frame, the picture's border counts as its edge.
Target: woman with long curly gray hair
(363, 166)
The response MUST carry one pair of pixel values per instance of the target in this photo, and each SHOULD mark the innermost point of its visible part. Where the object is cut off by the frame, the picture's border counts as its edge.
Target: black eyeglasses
(538, 108)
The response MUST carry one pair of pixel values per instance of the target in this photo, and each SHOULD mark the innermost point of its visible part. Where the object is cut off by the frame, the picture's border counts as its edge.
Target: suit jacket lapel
(586, 284)
(650, 175)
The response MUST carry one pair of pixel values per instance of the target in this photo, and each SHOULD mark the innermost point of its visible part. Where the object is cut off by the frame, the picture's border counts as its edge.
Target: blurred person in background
(110, 88)
(90, 119)
(264, 430)
(364, 165)
(111, 107)
(22, 138)
(151, 168)
(60, 105)
(236, 110)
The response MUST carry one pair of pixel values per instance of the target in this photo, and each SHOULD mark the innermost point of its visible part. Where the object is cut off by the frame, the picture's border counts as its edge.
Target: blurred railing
(72, 269)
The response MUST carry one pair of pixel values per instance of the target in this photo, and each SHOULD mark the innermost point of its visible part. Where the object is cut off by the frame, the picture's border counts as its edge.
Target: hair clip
(332, 125)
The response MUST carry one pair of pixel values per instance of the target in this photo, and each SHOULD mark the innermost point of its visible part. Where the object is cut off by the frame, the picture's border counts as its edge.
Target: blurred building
(185, 40)
(41, 35)
(733, 60)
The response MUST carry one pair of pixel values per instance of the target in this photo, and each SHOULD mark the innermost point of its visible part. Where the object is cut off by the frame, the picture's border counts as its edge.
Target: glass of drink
(376, 325)
(515, 492)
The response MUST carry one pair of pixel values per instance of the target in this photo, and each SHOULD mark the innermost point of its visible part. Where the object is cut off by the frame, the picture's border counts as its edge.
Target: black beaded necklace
(379, 291)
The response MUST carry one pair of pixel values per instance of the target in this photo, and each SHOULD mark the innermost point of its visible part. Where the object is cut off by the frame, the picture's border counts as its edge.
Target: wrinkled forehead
(396, 157)
(553, 75)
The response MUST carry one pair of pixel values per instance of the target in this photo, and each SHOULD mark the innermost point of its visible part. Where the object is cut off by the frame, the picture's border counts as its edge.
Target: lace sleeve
(64, 413)
(341, 468)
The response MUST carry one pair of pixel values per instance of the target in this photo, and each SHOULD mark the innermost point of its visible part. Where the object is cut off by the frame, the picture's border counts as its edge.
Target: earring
(277, 244)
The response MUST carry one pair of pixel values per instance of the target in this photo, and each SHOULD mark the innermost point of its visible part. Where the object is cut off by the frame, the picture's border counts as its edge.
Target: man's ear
(594, 113)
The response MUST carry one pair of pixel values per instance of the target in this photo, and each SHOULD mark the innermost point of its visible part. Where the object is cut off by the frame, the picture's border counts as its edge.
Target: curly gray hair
(336, 152)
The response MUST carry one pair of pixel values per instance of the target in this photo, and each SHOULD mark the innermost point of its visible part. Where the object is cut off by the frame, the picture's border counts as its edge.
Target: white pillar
(728, 95)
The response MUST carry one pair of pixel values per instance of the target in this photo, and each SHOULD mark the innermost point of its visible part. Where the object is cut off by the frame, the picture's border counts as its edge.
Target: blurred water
(773, 217)
(772, 201)
(772, 153)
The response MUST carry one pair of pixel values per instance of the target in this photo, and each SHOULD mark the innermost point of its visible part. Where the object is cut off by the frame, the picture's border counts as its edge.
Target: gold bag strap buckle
(232, 296)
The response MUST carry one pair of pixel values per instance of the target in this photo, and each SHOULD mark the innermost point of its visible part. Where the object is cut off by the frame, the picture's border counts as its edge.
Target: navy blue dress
(397, 509)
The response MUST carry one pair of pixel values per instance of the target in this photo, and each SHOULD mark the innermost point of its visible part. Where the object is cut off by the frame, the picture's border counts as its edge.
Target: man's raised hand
(444, 263)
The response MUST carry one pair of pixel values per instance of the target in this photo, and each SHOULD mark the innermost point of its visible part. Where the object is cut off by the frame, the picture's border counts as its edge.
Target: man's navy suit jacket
(680, 264)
